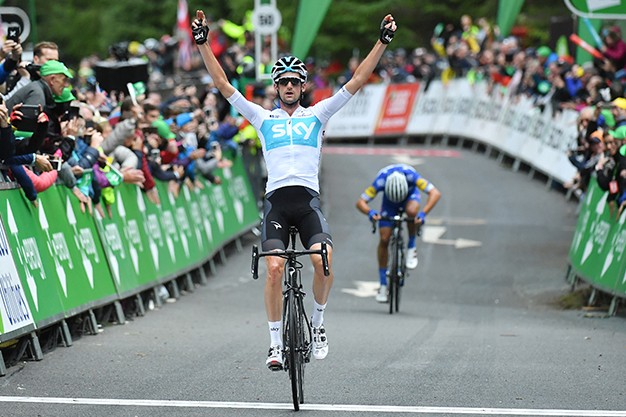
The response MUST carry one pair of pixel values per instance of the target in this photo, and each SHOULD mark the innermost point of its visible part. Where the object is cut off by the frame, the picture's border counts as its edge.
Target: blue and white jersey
(292, 145)
(416, 182)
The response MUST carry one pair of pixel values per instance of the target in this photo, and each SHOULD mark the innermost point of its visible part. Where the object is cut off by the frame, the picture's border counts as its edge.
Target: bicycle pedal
(275, 367)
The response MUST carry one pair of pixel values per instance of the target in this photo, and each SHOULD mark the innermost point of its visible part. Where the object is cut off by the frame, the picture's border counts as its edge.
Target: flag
(185, 36)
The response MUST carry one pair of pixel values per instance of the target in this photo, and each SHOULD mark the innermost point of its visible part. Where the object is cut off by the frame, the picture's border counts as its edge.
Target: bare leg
(321, 283)
(273, 288)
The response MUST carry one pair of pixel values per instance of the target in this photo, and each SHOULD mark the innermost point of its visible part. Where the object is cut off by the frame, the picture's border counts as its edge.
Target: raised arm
(200, 30)
(364, 70)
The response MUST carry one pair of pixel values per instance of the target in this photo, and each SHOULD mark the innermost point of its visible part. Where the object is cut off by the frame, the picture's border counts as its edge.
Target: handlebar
(289, 254)
(397, 219)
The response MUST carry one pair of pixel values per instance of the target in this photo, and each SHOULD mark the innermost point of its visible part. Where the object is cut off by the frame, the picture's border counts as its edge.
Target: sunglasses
(286, 80)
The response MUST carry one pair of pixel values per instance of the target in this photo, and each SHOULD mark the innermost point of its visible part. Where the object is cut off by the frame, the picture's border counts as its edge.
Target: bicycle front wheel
(292, 332)
(399, 273)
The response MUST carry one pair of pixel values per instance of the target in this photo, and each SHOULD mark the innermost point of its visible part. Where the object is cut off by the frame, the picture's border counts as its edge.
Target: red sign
(397, 106)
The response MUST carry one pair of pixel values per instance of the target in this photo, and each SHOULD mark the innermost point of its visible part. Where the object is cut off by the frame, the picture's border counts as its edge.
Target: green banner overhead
(310, 16)
(508, 10)
(598, 9)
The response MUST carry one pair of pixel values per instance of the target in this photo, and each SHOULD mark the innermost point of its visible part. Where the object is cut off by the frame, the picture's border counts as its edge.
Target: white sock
(318, 314)
(276, 333)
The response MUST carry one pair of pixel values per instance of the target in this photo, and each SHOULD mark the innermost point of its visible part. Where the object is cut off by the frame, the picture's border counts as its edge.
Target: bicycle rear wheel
(393, 283)
(292, 333)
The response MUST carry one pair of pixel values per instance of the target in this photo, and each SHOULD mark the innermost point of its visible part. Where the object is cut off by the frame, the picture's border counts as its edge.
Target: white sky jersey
(292, 145)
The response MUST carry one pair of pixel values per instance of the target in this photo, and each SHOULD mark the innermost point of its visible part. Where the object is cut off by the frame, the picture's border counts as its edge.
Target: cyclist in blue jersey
(401, 186)
(291, 137)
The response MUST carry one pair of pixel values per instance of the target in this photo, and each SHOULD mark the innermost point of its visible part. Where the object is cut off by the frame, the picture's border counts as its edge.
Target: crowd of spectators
(60, 126)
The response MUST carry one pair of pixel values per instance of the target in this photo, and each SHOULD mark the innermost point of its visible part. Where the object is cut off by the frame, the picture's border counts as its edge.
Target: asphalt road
(479, 331)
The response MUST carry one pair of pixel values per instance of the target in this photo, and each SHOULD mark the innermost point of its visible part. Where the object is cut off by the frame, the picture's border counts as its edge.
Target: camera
(56, 163)
(30, 113)
(149, 130)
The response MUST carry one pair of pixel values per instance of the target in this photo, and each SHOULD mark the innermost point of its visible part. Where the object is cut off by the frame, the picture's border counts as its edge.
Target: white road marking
(316, 407)
(363, 289)
(432, 234)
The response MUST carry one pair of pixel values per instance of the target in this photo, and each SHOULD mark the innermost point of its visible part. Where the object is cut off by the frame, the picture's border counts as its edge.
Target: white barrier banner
(513, 125)
(359, 117)
(14, 311)
(424, 111)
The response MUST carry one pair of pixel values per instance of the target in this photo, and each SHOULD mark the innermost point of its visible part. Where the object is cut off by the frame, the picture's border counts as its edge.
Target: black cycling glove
(386, 34)
(200, 32)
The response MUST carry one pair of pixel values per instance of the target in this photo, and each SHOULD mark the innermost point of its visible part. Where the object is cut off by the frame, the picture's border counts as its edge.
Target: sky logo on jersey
(295, 131)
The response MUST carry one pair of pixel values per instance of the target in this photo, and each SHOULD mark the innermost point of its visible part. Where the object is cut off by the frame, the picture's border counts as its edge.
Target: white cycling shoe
(381, 297)
(411, 258)
(320, 342)
(275, 358)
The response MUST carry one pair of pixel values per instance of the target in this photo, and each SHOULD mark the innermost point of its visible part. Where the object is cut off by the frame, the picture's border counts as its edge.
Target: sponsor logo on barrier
(239, 189)
(207, 216)
(59, 249)
(31, 255)
(86, 242)
(113, 239)
(132, 234)
(154, 231)
(168, 224)
(464, 106)
(14, 310)
(538, 129)
(521, 122)
(599, 233)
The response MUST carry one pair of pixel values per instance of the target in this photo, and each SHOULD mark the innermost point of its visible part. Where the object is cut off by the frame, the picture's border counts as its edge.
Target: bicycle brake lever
(255, 262)
(325, 259)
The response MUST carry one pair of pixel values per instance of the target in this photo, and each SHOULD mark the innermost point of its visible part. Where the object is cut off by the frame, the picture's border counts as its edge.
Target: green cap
(619, 133)
(65, 96)
(163, 129)
(544, 51)
(54, 67)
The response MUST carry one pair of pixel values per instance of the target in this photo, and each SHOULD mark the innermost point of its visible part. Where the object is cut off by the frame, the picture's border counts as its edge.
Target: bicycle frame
(297, 333)
(396, 269)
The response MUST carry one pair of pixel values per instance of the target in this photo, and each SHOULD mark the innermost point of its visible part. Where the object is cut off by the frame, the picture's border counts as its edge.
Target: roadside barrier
(58, 262)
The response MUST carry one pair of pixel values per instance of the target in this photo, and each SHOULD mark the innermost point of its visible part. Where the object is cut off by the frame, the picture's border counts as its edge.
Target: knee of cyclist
(274, 270)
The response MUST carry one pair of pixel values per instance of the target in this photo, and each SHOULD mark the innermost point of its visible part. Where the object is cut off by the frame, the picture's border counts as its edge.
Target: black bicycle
(297, 345)
(396, 268)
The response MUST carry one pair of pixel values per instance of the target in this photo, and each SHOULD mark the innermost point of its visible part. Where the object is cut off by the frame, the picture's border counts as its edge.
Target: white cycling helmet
(396, 187)
(289, 64)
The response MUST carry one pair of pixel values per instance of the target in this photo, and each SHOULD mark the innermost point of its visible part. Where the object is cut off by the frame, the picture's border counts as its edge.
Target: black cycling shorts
(293, 206)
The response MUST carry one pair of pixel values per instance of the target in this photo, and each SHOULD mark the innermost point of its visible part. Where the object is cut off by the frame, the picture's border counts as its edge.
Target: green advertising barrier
(57, 253)
(77, 253)
(240, 198)
(129, 248)
(69, 261)
(148, 243)
(597, 251)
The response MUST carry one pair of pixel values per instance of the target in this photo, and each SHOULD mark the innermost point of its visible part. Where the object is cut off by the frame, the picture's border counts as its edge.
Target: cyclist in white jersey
(291, 138)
